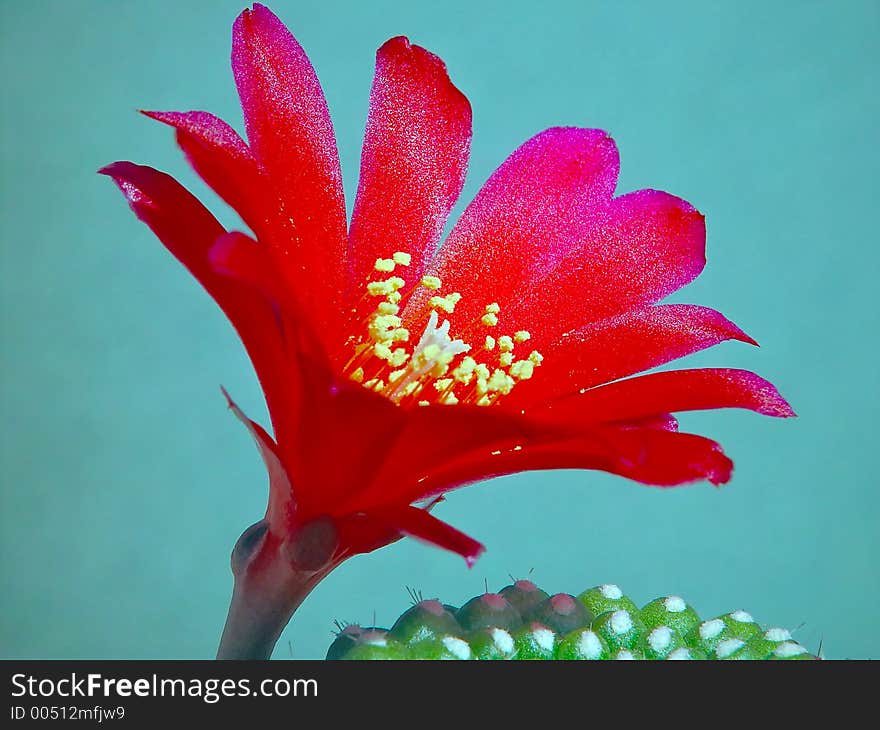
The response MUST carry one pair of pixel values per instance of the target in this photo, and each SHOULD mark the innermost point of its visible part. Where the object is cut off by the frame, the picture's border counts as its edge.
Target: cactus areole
(397, 367)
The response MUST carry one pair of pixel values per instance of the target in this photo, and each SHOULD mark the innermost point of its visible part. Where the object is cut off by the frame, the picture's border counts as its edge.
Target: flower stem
(273, 576)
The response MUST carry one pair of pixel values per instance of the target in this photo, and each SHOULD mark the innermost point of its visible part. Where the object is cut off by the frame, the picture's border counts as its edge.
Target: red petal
(529, 214)
(621, 346)
(189, 231)
(290, 132)
(281, 498)
(648, 455)
(649, 244)
(223, 160)
(413, 162)
(674, 391)
(418, 523)
(425, 437)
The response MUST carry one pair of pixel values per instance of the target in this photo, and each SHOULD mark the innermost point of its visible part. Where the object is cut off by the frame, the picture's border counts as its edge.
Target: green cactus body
(741, 625)
(670, 611)
(425, 620)
(523, 595)
(535, 641)
(491, 643)
(374, 644)
(606, 597)
(659, 642)
(524, 622)
(621, 629)
(582, 643)
(441, 647)
(563, 613)
(486, 611)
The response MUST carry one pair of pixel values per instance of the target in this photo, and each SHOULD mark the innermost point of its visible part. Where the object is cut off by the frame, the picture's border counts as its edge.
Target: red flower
(394, 373)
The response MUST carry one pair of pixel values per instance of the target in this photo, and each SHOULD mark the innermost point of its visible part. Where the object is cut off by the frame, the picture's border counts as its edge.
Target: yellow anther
(396, 375)
(442, 303)
(398, 357)
(382, 351)
(434, 364)
(402, 258)
(501, 382)
(522, 369)
(411, 388)
(383, 326)
(378, 288)
(387, 308)
(440, 368)
(465, 370)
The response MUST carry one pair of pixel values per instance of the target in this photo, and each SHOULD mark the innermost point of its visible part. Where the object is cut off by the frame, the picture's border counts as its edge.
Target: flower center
(437, 369)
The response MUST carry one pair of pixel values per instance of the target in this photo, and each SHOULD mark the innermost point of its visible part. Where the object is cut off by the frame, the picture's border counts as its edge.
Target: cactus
(523, 622)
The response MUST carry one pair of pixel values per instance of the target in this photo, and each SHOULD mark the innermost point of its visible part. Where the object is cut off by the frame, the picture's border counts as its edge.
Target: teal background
(125, 481)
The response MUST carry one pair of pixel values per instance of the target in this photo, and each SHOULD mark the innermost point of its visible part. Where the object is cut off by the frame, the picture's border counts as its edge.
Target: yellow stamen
(387, 308)
(401, 367)
(522, 369)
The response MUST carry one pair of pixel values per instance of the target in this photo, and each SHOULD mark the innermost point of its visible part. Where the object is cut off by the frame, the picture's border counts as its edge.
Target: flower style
(394, 370)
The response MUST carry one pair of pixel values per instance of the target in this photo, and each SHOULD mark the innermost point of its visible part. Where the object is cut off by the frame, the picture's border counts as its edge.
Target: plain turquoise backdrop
(125, 481)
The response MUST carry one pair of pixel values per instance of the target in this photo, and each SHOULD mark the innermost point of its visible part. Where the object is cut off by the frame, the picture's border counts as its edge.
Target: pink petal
(673, 391)
(528, 215)
(289, 128)
(413, 162)
(224, 162)
(648, 245)
(621, 346)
